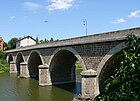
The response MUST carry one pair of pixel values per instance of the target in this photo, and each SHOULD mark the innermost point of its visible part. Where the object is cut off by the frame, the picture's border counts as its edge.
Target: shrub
(124, 85)
(3, 63)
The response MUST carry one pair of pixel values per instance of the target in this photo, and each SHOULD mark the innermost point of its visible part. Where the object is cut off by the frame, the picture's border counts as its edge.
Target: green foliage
(78, 65)
(2, 55)
(12, 43)
(3, 63)
(6, 46)
(124, 85)
(51, 40)
(37, 40)
(46, 41)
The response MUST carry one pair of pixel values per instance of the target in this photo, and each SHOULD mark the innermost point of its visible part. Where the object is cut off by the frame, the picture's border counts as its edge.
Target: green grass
(4, 66)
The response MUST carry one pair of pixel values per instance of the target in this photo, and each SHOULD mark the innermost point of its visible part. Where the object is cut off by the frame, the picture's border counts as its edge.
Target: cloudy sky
(63, 19)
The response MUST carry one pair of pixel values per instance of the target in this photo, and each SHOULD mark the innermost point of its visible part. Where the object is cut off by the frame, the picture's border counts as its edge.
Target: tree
(46, 41)
(12, 43)
(6, 46)
(37, 40)
(41, 41)
(2, 55)
(124, 85)
(51, 40)
(57, 40)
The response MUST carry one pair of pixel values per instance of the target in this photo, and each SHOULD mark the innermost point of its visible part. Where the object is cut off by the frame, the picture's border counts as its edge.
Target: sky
(62, 19)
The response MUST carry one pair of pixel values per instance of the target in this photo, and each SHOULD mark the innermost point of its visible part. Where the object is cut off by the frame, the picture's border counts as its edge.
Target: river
(13, 88)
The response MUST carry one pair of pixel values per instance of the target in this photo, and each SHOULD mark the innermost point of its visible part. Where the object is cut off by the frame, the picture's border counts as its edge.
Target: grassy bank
(3, 63)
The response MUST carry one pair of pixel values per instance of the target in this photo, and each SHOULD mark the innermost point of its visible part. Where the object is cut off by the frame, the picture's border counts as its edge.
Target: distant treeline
(12, 42)
(45, 40)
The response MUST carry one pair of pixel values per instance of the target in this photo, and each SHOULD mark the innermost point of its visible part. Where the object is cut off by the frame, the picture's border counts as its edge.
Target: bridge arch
(34, 60)
(108, 64)
(19, 58)
(10, 58)
(62, 65)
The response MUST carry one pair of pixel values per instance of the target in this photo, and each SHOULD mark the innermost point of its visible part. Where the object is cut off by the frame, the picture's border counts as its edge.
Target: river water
(13, 88)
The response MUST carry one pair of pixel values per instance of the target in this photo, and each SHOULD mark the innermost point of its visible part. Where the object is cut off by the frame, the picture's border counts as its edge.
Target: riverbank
(4, 66)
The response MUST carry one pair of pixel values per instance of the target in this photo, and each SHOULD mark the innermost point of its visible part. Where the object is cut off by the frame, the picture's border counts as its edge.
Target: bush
(124, 85)
(3, 63)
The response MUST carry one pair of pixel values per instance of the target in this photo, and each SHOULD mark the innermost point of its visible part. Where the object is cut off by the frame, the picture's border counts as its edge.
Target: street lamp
(85, 24)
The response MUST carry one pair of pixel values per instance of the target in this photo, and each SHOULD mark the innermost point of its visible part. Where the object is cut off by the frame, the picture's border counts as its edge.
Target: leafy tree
(124, 85)
(12, 43)
(6, 46)
(2, 55)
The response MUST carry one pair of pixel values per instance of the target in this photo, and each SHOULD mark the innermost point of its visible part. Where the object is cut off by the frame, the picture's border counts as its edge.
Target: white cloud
(60, 4)
(12, 17)
(134, 14)
(119, 20)
(32, 5)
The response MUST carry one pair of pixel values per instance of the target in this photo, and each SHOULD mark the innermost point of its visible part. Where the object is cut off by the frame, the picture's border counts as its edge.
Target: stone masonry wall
(91, 54)
(91, 48)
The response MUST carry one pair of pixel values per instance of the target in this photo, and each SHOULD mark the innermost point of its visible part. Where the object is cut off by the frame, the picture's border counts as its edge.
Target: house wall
(25, 42)
(1, 44)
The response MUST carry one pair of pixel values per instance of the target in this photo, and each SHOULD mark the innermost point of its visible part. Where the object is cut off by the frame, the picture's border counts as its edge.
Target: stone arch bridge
(54, 63)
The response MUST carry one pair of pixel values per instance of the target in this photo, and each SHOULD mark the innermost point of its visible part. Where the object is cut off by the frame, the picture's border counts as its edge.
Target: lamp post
(85, 24)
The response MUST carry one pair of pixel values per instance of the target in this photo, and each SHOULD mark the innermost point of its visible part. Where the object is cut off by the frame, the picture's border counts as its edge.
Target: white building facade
(26, 41)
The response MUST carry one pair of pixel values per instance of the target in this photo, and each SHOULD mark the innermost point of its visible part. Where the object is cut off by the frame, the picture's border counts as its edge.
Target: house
(1, 44)
(26, 41)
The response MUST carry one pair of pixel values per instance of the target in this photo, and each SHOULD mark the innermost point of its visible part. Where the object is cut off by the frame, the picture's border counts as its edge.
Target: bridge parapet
(96, 38)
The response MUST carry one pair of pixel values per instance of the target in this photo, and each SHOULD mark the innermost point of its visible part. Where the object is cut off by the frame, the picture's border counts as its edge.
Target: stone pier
(24, 71)
(13, 68)
(89, 84)
(44, 75)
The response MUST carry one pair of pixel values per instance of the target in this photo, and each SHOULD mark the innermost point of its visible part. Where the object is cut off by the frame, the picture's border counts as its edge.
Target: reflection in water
(20, 89)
